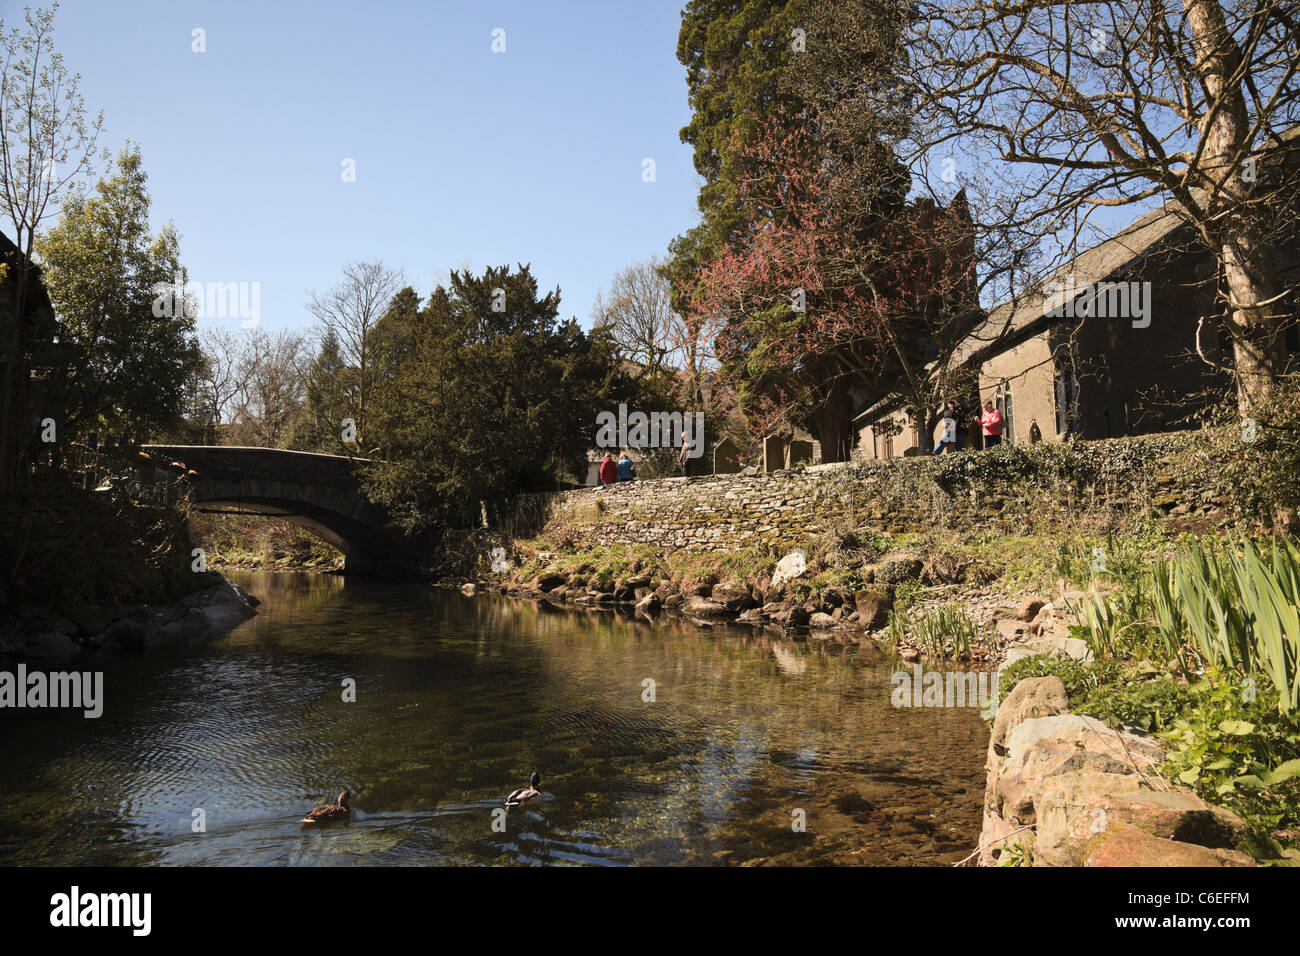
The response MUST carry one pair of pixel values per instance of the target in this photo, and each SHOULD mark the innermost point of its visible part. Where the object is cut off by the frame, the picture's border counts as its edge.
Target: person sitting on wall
(991, 424)
(608, 470)
(626, 468)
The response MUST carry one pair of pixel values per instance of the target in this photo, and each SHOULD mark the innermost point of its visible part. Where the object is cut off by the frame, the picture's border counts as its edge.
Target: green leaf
(1238, 728)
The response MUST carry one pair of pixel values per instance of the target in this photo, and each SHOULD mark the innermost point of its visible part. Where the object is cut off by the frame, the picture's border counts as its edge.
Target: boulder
(1069, 812)
(649, 604)
(47, 644)
(90, 619)
(792, 617)
(1011, 630)
(699, 607)
(1126, 845)
(733, 596)
(1178, 815)
(1075, 730)
(1030, 607)
(873, 608)
(549, 582)
(126, 634)
(1071, 647)
(1032, 697)
(897, 569)
(793, 565)
(821, 620)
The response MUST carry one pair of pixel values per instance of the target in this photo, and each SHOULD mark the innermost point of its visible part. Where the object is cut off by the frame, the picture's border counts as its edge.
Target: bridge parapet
(321, 493)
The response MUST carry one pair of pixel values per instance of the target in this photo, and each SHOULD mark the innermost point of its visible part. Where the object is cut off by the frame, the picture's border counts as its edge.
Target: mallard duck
(526, 796)
(331, 812)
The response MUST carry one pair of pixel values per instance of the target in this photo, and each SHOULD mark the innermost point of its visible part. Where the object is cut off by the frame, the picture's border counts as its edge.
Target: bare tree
(639, 315)
(227, 366)
(272, 370)
(46, 144)
(350, 310)
(1106, 103)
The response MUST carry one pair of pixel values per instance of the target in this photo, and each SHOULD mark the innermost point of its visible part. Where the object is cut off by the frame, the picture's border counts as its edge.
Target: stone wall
(1014, 490)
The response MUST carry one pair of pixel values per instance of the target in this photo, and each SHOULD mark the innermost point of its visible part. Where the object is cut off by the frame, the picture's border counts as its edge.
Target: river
(754, 748)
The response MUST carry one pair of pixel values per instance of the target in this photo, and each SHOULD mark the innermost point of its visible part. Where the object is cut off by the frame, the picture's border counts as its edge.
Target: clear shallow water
(457, 700)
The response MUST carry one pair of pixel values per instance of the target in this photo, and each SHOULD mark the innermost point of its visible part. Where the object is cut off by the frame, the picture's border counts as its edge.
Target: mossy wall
(1022, 489)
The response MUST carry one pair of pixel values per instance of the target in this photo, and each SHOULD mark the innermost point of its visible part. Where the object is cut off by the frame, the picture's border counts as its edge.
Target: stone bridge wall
(1011, 490)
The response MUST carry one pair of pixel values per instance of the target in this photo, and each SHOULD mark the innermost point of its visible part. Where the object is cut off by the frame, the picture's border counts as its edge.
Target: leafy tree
(826, 301)
(494, 396)
(125, 350)
(46, 143)
(736, 53)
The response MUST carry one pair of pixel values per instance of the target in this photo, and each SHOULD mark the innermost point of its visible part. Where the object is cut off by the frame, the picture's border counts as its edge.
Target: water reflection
(457, 700)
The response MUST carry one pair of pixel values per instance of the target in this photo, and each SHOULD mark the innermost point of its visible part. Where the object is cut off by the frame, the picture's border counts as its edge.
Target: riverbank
(1090, 563)
(1136, 739)
(50, 636)
(90, 570)
(247, 542)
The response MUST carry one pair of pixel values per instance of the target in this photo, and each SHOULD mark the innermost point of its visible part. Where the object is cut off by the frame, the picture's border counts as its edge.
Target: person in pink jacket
(991, 425)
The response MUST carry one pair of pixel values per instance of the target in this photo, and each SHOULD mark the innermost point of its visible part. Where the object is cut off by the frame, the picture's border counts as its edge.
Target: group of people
(622, 470)
(955, 427)
(625, 468)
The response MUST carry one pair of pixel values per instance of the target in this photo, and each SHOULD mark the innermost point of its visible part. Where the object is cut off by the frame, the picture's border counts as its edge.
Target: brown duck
(331, 812)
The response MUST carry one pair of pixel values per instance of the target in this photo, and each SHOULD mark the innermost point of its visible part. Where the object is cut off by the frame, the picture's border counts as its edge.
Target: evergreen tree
(494, 396)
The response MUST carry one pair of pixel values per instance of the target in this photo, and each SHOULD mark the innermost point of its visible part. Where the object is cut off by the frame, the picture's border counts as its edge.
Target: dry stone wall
(1014, 490)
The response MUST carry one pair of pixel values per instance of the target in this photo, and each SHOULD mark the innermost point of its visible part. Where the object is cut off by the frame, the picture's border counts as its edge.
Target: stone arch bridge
(320, 493)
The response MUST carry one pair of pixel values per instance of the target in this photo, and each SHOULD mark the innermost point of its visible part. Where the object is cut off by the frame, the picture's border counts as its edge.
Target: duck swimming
(526, 796)
(331, 812)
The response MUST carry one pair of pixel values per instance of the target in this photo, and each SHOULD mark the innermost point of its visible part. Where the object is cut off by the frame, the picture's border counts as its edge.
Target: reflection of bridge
(317, 492)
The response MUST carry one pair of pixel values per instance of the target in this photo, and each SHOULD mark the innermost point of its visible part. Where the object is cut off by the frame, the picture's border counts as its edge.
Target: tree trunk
(1245, 259)
(834, 424)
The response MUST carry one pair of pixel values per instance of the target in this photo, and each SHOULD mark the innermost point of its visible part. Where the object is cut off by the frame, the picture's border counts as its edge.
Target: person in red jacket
(991, 425)
(608, 470)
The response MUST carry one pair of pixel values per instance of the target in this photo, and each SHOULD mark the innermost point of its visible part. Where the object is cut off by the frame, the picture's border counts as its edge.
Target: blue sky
(463, 156)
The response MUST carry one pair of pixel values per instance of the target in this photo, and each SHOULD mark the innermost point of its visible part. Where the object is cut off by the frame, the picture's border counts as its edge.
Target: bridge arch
(320, 493)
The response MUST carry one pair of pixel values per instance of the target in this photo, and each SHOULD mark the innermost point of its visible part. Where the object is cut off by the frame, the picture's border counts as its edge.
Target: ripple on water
(457, 701)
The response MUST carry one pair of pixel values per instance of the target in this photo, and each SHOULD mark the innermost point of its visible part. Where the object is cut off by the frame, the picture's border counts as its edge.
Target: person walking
(991, 425)
(949, 437)
(684, 459)
(626, 468)
(608, 470)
